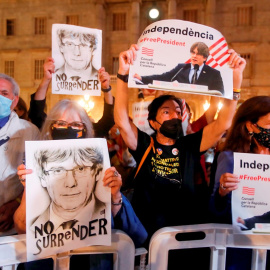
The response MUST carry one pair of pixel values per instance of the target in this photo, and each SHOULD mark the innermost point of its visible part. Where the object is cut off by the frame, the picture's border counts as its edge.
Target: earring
(250, 133)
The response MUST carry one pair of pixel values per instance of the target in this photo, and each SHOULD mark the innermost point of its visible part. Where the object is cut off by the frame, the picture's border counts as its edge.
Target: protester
(21, 109)
(249, 133)
(13, 134)
(38, 100)
(164, 193)
(124, 217)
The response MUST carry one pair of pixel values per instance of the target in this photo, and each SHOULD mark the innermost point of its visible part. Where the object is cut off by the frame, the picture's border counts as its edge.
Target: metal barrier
(13, 252)
(218, 237)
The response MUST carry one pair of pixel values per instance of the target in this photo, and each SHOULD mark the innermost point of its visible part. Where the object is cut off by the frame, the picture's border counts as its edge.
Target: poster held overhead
(77, 54)
(172, 52)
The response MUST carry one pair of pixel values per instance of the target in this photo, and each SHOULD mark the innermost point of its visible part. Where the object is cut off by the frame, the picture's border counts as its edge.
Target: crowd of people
(166, 171)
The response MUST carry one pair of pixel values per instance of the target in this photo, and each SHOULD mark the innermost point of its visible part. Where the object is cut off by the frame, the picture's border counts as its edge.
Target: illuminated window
(40, 26)
(119, 21)
(39, 69)
(10, 27)
(9, 68)
(115, 65)
(72, 19)
(191, 15)
(244, 16)
(247, 70)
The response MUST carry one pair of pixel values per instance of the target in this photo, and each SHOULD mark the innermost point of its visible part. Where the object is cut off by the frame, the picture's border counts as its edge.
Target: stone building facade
(25, 36)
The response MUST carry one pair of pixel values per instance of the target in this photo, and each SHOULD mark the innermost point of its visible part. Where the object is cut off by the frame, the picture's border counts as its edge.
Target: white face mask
(5, 104)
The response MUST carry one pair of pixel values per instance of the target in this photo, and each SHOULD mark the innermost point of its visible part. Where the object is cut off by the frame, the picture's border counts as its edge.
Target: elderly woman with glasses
(68, 120)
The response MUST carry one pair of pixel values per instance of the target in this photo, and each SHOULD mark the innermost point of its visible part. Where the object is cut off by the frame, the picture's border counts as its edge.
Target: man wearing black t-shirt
(164, 193)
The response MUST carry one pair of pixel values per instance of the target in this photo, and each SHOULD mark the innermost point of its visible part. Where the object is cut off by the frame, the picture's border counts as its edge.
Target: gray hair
(58, 110)
(80, 155)
(15, 86)
(85, 38)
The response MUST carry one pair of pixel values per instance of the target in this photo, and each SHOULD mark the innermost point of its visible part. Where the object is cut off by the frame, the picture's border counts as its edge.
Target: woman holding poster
(249, 133)
(68, 120)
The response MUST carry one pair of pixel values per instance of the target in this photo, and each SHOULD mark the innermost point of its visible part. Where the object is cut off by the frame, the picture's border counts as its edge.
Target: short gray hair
(15, 86)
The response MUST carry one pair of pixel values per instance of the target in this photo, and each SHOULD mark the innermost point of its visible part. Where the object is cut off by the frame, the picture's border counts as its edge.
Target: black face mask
(263, 137)
(67, 133)
(171, 128)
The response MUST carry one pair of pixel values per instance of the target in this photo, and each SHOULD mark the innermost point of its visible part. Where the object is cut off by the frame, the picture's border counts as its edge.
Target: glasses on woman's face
(63, 124)
(60, 173)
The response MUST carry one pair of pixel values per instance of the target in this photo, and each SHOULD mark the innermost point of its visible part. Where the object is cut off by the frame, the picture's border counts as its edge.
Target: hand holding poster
(182, 56)
(251, 201)
(67, 205)
(77, 55)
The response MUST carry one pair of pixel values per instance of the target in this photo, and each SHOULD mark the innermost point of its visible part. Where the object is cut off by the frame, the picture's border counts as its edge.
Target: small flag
(148, 52)
(184, 111)
(248, 191)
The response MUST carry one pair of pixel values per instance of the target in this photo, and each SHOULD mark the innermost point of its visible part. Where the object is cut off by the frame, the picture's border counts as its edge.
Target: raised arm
(44, 85)
(38, 100)
(128, 130)
(211, 111)
(213, 132)
(106, 122)
(105, 80)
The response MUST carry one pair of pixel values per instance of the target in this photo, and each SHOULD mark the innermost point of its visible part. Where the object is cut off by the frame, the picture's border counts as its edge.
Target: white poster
(140, 115)
(182, 56)
(67, 206)
(251, 200)
(77, 54)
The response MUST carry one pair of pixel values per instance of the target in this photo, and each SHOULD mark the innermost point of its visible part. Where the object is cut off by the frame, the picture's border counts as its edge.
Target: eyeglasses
(63, 124)
(71, 45)
(60, 173)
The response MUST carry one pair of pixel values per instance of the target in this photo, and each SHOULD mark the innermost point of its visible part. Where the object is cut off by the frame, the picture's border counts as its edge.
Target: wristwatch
(123, 78)
(236, 95)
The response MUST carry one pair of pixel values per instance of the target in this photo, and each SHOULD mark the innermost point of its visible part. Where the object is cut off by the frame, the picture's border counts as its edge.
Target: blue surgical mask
(5, 104)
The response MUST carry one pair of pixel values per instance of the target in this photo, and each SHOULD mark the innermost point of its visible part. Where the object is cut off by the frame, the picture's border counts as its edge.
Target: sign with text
(77, 56)
(178, 55)
(67, 206)
(251, 201)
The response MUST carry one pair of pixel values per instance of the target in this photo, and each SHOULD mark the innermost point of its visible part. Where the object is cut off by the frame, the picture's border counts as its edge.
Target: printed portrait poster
(67, 206)
(76, 51)
(169, 58)
(140, 115)
(251, 200)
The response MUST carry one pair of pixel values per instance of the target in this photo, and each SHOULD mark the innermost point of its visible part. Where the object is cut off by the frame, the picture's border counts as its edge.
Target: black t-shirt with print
(164, 191)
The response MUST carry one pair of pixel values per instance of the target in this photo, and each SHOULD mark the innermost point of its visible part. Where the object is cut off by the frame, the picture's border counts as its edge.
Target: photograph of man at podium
(196, 72)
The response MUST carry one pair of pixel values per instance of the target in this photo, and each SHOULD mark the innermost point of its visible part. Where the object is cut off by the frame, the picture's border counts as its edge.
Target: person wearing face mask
(249, 133)
(68, 120)
(164, 192)
(13, 133)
